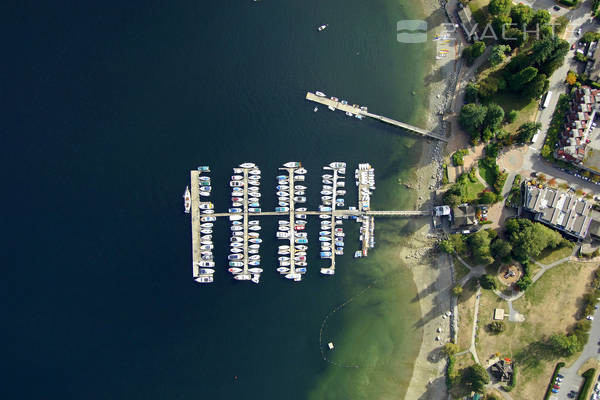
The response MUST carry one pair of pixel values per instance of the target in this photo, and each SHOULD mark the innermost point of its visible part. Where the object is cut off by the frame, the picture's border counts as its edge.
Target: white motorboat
(254, 258)
(248, 165)
(300, 171)
(253, 222)
(187, 200)
(235, 270)
(322, 27)
(237, 177)
(236, 184)
(320, 94)
(206, 231)
(292, 164)
(254, 228)
(300, 199)
(255, 171)
(208, 211)
(255, 270)
(238, 170)
(208, 219)
(255, 278)
(243, 277)
(253, 234)
(237, 228)
(327, 271)
(300, 187)
(204, 279)
(283, 222)
(236, 250)
(206, 271)
(283, 270)
(292, 276)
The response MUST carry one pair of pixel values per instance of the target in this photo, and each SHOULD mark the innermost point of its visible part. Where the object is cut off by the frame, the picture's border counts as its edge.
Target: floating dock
(334, 104)
(203, 215)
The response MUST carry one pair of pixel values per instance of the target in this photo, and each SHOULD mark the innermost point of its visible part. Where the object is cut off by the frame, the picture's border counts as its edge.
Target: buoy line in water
(339, 307)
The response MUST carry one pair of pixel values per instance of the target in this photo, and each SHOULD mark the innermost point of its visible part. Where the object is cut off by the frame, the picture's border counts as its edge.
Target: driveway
(572, 381)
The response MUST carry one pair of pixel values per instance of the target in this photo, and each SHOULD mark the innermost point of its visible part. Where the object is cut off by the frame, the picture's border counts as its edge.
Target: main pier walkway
(337, 105)
(396, 213)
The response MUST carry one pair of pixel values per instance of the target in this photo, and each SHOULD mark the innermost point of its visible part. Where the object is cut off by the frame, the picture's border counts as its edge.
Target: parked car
(556, 8)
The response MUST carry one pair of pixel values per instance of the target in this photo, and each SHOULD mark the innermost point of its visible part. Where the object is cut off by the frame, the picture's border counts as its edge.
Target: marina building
(559, 210)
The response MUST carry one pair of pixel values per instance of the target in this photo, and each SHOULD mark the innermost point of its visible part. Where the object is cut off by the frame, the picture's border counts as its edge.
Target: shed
(499, 314)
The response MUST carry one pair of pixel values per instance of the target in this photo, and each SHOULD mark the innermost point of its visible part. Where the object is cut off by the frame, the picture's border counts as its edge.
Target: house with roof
(464, 217)
(502, 370)
(579, 141)
(559, 210)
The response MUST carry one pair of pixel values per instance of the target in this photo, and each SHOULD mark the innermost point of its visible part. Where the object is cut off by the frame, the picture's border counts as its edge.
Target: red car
(556, 387)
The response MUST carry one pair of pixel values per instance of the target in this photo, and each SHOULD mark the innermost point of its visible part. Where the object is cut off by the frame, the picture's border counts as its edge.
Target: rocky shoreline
(432, 271)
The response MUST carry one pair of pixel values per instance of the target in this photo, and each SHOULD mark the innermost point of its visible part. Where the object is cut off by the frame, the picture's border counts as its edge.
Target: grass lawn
(466, 304)
(459, 269)
(471, 190)
(486, 173)
(549, 306)
(548, 256)
(526, 108)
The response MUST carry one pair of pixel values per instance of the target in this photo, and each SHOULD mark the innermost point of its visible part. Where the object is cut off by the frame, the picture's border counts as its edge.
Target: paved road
(580, 18)
(572, 381)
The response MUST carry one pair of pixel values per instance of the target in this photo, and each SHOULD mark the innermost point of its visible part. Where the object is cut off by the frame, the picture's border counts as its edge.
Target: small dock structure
(365, 180)
(359, 112)
(202, 246)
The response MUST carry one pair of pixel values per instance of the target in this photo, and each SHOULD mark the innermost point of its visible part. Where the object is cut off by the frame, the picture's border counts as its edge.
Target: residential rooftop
(559, 210)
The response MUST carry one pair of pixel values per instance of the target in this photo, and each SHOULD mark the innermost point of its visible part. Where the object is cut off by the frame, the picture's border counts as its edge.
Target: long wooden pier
(341, 213)
(337, 105)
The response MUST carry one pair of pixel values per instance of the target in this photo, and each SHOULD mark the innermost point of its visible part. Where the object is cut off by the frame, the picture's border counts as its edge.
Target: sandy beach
(432, 270)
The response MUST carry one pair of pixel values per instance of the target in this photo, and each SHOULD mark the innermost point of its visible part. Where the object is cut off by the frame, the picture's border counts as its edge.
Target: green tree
(512, 116)
(470, 53)
(487, 282)
(471, 93)
(450, 349)
(488, 198)
(494, 116)
(513, 37)
(530, 239)
(498, 54)
(476, 377)
(542, 49)
(518, 81)
(589, 37)
(565, 345)
(490, 85)
(501, 250)
(455, 244)
(540, 17)
(457, 290)
(500, 24)
(472, 117)
(536, 87)
(496, 327)
(527, 130)
(497, 7)
(521, 15)
(479, 243)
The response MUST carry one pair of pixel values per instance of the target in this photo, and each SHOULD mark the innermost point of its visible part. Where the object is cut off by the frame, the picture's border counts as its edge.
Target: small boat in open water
(187, 200)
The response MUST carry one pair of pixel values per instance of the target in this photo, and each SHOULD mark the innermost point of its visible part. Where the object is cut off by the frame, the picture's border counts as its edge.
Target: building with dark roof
(502, 370)
(559, 210)
(463, 216)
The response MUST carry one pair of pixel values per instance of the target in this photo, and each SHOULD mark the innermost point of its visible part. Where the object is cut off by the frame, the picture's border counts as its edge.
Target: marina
(244, 259)
(359, 112)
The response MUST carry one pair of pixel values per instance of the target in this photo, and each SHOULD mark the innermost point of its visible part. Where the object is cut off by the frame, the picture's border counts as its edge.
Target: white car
(589, 317)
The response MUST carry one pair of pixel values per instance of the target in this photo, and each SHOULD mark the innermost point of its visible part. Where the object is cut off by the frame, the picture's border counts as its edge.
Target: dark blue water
(107, 107)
